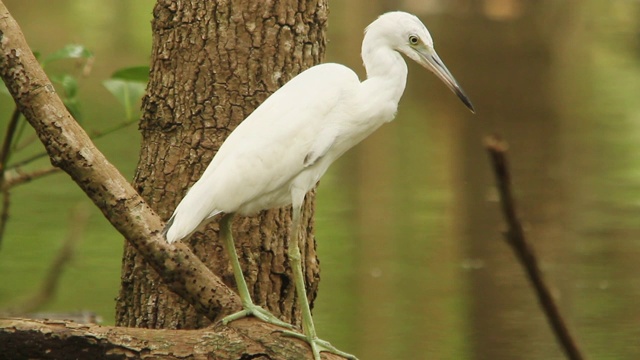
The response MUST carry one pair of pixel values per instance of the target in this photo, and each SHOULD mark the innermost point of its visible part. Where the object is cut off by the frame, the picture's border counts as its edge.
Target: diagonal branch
(516, 239)
(70, 149)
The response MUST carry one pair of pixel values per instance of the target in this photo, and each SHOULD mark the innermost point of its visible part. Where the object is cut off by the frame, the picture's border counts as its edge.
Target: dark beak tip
(471, 108)
(466, 101)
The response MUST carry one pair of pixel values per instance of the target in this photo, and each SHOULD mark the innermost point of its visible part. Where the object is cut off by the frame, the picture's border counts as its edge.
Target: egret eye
(413, 40)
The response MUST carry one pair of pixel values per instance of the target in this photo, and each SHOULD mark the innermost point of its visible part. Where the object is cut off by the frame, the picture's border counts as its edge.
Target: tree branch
(21, 177)
(70, 148)
(523, 251)
(51, 339)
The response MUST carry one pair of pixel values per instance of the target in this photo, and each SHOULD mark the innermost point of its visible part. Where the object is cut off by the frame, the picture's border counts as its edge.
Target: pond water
(409, 230)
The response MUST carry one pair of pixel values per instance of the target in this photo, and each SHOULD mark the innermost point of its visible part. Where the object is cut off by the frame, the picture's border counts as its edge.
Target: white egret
(280, 151)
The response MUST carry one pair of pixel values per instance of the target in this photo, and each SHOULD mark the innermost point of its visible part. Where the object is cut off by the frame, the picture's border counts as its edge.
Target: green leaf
(69, 84)
(128, 85)
(74, 108)
(71, 51)
(135, 73)
(127, 92)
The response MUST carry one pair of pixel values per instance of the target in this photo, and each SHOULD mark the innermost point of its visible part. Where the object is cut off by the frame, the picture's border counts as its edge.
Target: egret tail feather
(165, 231)
(177, 230)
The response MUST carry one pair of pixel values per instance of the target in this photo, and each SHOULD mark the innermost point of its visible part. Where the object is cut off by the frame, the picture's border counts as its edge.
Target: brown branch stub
(17, 177)
(515, 237)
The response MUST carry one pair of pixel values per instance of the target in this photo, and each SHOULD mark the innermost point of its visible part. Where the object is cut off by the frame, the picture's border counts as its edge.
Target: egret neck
(386, 76)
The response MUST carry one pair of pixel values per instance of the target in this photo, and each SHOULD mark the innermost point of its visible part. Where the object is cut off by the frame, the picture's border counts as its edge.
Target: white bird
(280, 151)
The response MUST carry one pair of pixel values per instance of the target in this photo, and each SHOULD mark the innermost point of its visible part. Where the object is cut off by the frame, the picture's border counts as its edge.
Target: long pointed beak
(432, 62)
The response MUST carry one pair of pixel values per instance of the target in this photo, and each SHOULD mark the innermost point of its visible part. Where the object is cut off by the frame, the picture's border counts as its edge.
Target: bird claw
(318, 345)
(258, 312)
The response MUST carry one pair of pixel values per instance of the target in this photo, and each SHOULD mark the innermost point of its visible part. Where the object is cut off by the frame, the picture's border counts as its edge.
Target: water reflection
(433, 275)
(413, 266)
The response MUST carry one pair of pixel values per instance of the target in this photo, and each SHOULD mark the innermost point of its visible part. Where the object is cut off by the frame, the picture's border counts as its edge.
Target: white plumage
(265, 155)
(278, 153)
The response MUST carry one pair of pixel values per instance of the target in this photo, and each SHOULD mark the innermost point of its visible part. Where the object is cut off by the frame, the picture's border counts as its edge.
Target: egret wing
(255, 165)
(269, 148)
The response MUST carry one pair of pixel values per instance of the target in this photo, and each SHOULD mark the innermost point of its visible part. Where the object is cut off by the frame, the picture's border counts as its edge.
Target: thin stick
(4, 213)
(523, 251)
(77, 224)
(95, 134)
(21, 178)
(8, 139)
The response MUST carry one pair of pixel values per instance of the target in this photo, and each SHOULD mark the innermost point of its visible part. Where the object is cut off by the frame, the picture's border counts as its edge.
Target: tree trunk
(212, 63)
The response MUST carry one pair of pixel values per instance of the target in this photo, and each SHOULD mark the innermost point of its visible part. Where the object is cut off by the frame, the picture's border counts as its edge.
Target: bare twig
(94, 135)
(4, 215)
(26, 141)
(28, 160)
(21, 178)
(77, 224)
(8, 139)
(516, 239)
(7, 182)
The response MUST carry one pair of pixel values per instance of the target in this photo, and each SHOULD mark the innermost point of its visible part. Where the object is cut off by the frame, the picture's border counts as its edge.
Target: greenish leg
(309, 329)
(249, 308)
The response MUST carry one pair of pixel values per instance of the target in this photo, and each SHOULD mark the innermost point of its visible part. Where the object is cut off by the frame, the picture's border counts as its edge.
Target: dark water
(409, 229)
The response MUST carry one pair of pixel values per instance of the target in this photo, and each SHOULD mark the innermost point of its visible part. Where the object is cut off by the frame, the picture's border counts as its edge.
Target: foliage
(128, 85)
(70, 51)
(66, 81)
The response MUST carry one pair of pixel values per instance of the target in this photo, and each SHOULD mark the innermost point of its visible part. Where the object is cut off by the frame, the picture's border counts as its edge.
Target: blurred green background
(408, 224)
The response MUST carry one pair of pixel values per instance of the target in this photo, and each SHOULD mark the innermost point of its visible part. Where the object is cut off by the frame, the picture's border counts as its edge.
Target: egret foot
(255, 310)
(318, 345)
(248, 307)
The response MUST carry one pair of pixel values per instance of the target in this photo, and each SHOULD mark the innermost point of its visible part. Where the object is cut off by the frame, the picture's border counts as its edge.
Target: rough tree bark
(213, 62)
(42, 339)
(70, 149)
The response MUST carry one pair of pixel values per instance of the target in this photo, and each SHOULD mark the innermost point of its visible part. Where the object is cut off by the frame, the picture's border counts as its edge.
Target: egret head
(406, 34)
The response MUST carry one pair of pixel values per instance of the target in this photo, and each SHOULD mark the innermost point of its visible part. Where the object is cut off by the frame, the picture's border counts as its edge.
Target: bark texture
(212, 63)
(244, 339)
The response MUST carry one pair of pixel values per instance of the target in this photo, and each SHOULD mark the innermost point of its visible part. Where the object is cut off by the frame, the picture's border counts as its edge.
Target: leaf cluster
(127, 85)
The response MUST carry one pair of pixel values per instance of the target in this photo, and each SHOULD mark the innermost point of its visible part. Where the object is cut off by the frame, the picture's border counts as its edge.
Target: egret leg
(248, 307)
(310, 336)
